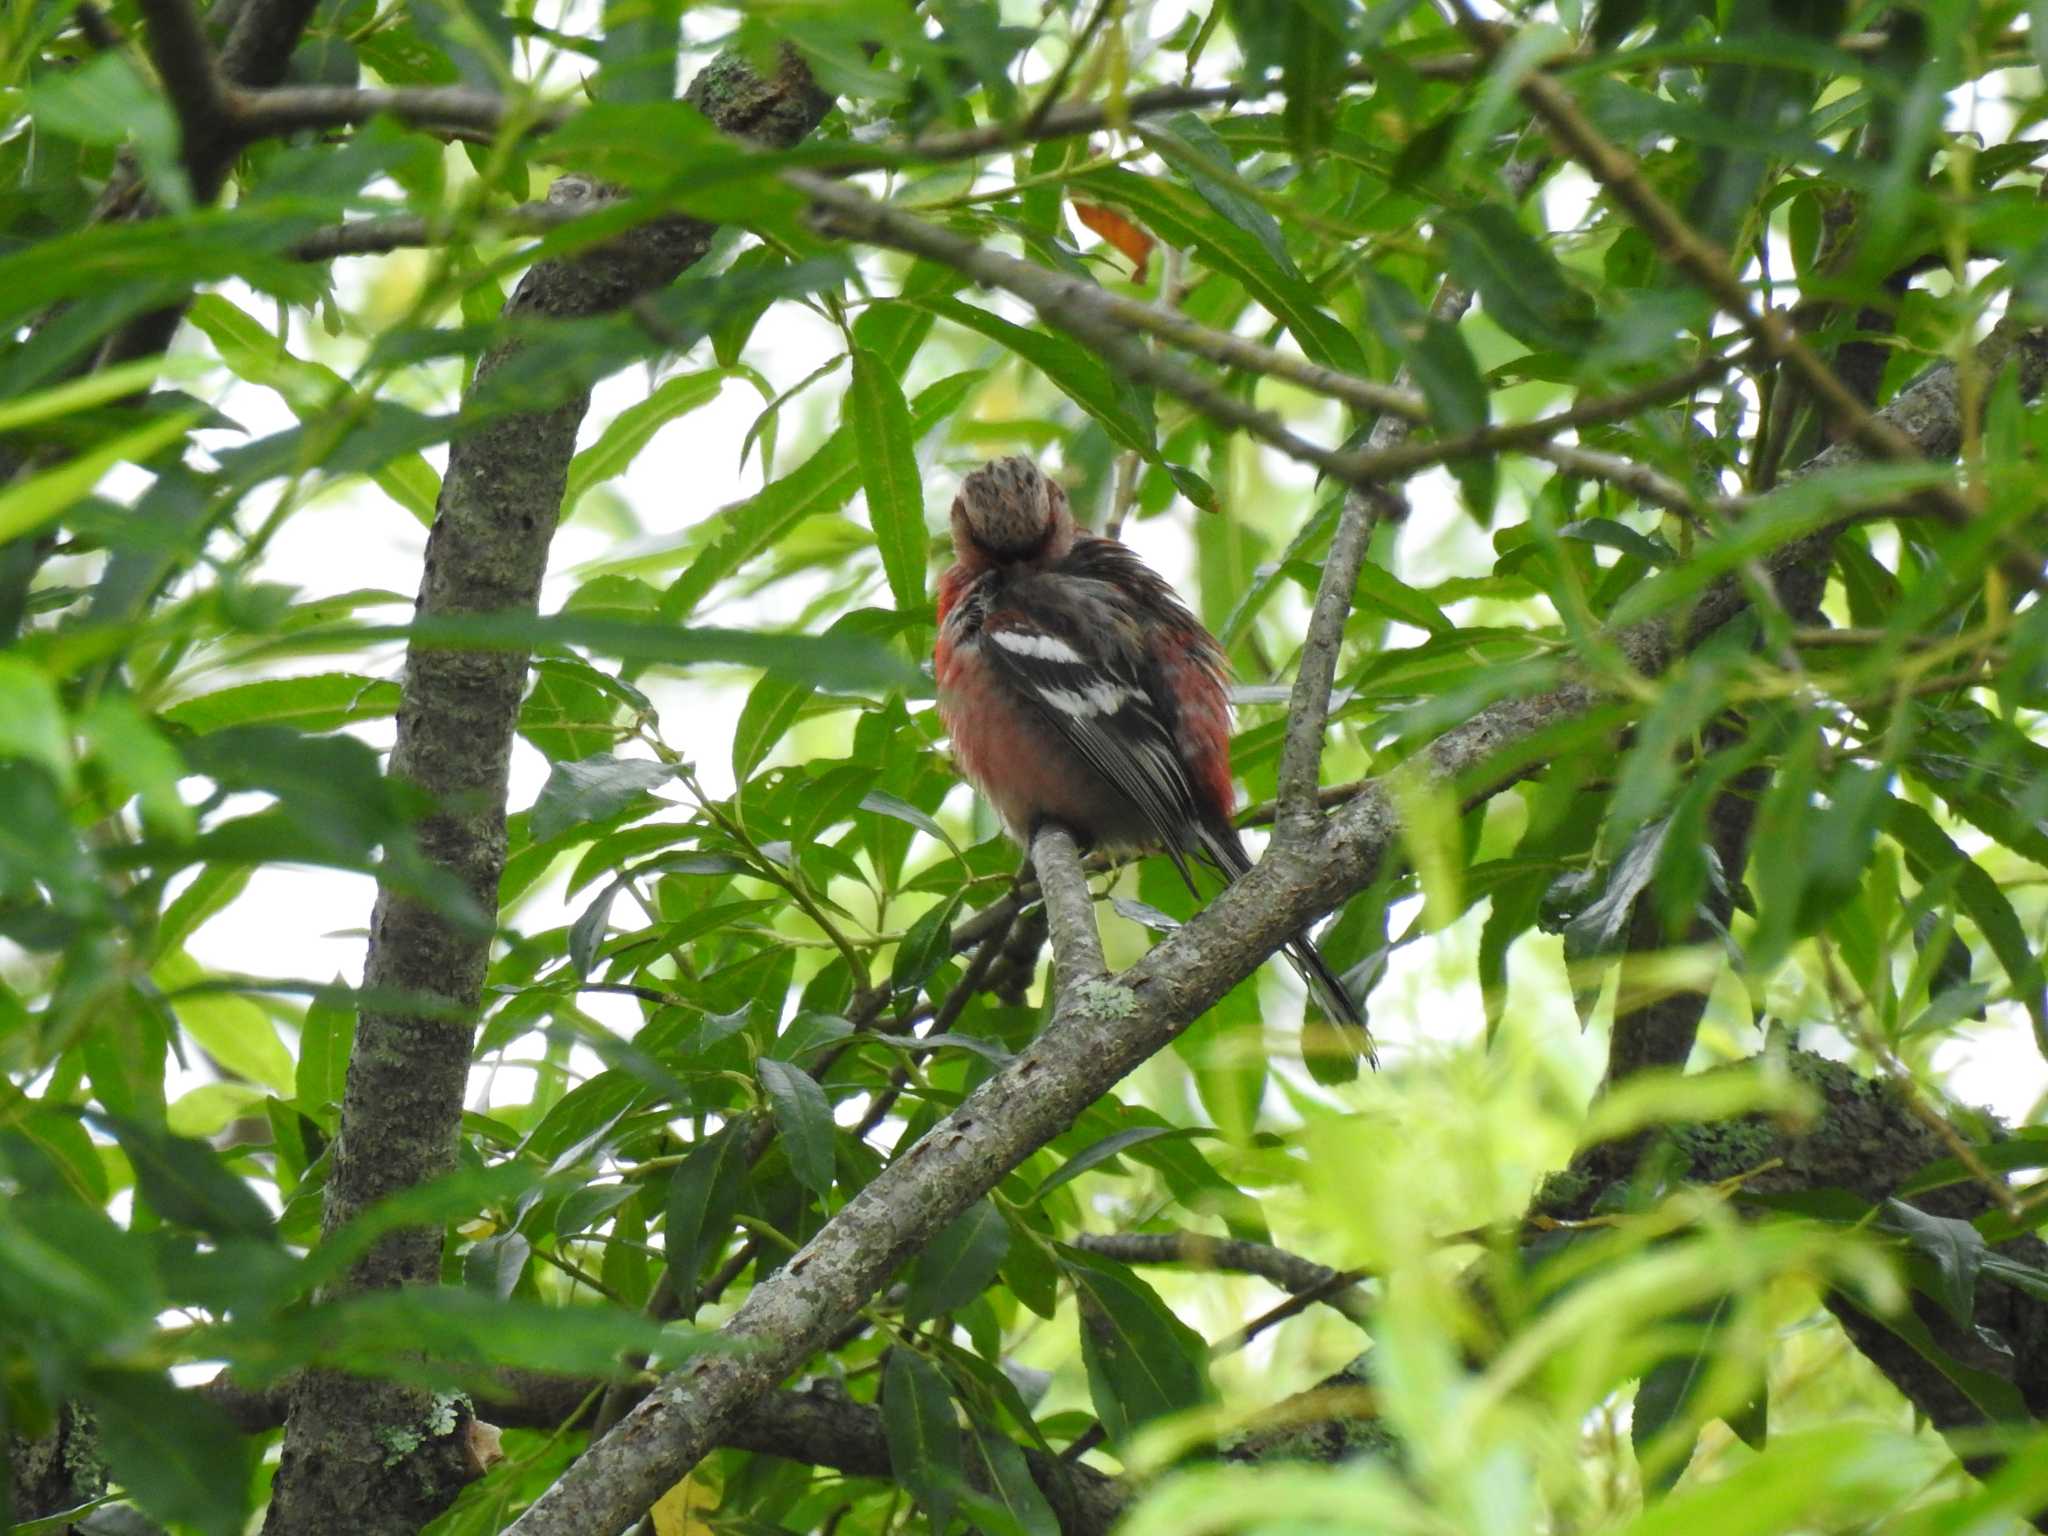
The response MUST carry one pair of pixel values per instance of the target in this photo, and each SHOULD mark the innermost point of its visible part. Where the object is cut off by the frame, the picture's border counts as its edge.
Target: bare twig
(1366, 505)
(374, 237)
(288, 109)
(1197, 1250)
(1084, 308)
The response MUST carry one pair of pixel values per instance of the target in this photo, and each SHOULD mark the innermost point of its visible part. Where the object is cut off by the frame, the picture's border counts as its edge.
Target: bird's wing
(1082, 666)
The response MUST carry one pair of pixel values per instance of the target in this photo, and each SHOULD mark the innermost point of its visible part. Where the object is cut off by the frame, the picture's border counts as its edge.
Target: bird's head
(1010, 510)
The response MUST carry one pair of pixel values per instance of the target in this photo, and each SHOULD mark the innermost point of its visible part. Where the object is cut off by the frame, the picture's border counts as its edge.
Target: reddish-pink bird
(1079, 689)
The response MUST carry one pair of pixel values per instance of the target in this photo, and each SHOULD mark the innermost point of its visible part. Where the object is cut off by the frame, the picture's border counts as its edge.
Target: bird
(1077, 688)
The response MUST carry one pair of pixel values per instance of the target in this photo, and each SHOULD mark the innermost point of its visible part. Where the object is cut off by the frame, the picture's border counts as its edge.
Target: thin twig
(1057, 86)
(1198, 1250)
(1084, 308)
(1340, 1284)
(1365, 507)
(289, 109)
(375, 237)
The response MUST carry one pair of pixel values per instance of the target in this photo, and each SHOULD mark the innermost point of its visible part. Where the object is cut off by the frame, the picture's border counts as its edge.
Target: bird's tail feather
(1334, 1050)
(1344, 1038)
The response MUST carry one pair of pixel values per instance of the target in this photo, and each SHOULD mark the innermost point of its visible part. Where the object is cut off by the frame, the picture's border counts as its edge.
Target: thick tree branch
(1096, 1035)
(260, 42)
(486, 554)
(192, 80)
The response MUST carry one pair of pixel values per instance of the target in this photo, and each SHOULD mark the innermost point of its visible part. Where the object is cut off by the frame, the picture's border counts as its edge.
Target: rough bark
(372, 1457)
(57, 1471)
(820, 1427)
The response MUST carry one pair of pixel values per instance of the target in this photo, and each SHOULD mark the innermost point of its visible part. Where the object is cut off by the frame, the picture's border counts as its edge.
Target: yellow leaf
(681, 1511)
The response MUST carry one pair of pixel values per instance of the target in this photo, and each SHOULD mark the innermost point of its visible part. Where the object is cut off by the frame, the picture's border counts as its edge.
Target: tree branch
(1069, 908)
(375, 237)
(289, 109)
(1197, 1250)
(1105, 321)
(191, 79)
(1365, 508)
(1096, 1035)
(817, 1428)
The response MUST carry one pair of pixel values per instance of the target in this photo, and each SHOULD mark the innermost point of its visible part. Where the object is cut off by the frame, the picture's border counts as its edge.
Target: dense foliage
(1707, 708)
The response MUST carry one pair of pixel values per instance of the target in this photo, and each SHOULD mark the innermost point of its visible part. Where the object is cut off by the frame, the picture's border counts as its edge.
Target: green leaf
(32, 724)
(824, 482)
(28, 504)
(101, 387)
(325, 1040)
(634, 428)
(1307, 41)
(592, 789)
(587, 933)
(173, 1452)
(1191, 147)
(321, 702)
(958, 1264)
(1180, 217)
(1100, 1153)
(1933, 855)
(1954, 1251)
(703, 1195)
(1143, 1362)
(108, 101)
(313, 391)
(803, 1119)
(138, 761)
(1519, 282)
(922, 1432)
(1382, 589)
(233, 1030)
(185, 1182)
(1125, 414)
(882, 803)
(886, 445)
(1607, 532)
(771, 709)
(1670, 1391)
(2026, 1149)
(924, 948)
(1006, 1475)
